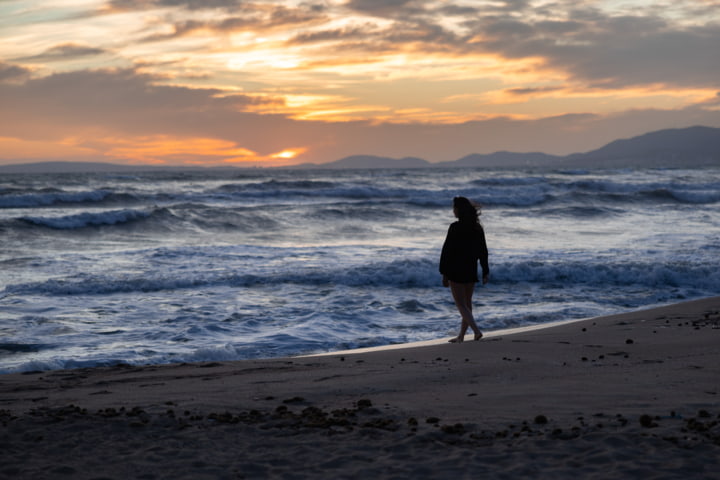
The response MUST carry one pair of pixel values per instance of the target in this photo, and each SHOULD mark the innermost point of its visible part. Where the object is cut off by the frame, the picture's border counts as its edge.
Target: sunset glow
(232, 81)
(288, 154)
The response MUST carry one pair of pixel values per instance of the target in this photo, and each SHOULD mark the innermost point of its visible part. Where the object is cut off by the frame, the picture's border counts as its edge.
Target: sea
(169, 266)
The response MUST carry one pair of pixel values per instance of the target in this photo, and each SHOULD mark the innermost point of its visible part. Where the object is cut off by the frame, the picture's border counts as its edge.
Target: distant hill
(686, 147)
(672, 148)
(505, 159)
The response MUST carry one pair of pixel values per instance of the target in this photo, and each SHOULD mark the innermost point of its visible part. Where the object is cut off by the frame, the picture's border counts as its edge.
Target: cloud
(254, 18)
(121, 99)
(608, 50)
(594, 47)
(166, 149)
(137, 5)
(124, 115)
(531, 90)
(333, 35)
(381, 7)
(63, 52)
(585, 42)
(13, 73)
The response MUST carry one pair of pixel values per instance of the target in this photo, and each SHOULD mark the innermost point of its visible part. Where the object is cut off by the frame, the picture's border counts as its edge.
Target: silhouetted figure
(463, 247)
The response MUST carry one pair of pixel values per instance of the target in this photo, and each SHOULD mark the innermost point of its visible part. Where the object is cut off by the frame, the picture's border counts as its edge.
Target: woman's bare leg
(462, 294)
(469, 294)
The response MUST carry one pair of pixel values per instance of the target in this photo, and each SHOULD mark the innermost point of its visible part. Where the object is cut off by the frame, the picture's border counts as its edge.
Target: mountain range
(673, 148)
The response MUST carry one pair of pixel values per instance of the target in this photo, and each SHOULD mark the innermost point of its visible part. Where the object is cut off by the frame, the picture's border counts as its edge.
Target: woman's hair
(466, 210)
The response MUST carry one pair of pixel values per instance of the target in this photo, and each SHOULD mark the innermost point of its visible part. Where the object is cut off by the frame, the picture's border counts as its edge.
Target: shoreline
(585, 335)
(441, 341)
(633, 392)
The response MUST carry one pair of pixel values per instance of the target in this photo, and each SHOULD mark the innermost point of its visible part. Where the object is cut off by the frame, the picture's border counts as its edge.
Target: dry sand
(625, 396)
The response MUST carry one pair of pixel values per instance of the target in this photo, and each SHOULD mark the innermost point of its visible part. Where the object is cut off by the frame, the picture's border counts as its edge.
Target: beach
(633, 395)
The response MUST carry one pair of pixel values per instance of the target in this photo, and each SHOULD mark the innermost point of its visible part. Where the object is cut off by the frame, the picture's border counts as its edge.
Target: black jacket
(463, 247)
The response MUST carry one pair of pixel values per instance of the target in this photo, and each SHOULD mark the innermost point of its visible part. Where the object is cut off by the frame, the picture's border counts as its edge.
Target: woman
(463, 247)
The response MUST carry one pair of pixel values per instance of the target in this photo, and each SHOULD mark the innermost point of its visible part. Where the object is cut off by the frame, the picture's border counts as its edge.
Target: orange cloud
(165, 149)
(171, 150)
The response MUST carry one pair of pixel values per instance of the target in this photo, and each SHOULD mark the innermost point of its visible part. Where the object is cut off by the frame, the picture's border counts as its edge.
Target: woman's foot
(478, 336)
(455, 340)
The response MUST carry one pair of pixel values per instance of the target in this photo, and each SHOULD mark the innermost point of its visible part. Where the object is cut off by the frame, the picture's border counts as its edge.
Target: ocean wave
(510, 181)
(694, 193)
(580, 211)
(278, 185)
(603, 186)
(48, 197)
(511, 197)
(222, 218)
(689, 196)
(357, 192)
(188, 218)
(60, 363)
(87, 219)
(673, 274)
(414, 273)
(365, 211)
(497, 196)
(535, 191)
(15, 348)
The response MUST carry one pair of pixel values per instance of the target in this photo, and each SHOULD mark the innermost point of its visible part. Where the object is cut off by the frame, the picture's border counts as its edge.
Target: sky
(272, 83)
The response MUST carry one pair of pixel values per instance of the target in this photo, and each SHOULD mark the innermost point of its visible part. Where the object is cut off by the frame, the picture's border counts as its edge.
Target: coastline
(638, 390)
(441, 341)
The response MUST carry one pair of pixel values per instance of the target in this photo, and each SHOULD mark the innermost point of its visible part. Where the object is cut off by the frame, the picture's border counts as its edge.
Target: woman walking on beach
(463, 247)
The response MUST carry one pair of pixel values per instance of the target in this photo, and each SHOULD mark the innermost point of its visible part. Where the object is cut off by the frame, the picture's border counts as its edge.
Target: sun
(289, 153)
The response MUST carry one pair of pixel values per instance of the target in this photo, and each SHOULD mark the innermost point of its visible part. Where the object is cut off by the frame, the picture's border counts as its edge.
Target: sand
(625, 396)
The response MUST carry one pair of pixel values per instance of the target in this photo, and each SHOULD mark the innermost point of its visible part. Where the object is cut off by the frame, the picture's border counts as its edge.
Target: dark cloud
(265, 18)
(133, 5)
(418, 35)
(249, 17)
(402, 10)
(120, 100)
(507, 29)
(456, 10)
(13, 73)
(64, 52)
(513, 5)
(380, 6)
(680, 58)
(687, 58)
(557, 27)
(531, 91)
(594, 47)
(609, 51)
(333, 35)
(229, 5)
